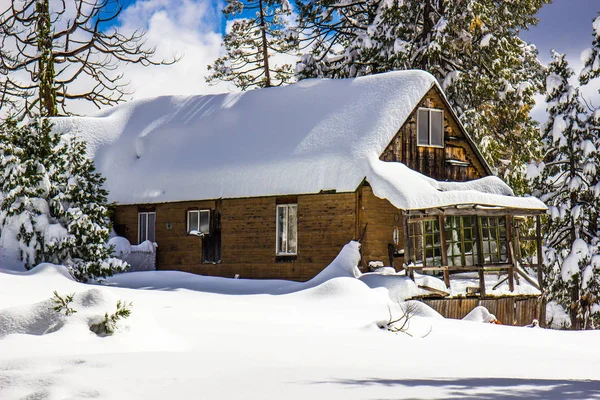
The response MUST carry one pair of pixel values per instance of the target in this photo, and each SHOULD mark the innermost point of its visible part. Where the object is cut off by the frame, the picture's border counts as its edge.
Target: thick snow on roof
(303, 138)
(410, 190)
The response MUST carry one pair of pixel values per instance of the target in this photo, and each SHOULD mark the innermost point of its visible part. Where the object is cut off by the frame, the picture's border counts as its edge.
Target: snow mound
(340, 288)
(121, 246)
(41, 318)
(344, 265)
(35, 319)
(431, 282)
(556, 316)
(385, 271)
(420, 309)
(145, 247)
(399, 287)
(480, 314)
(49, 271)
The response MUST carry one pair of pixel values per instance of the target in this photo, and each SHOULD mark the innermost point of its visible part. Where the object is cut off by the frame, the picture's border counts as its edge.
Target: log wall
(326, 222)
(434, 161)
(380, 218)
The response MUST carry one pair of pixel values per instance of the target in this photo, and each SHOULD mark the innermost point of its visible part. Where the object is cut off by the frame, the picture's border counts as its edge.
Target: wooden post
(481, 282)
(442, 220)
(538, 240)
(408, 247)
(480, 259)
(511, 255)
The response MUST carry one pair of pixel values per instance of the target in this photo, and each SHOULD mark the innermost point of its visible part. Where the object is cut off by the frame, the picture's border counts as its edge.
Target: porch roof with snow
(314, 135)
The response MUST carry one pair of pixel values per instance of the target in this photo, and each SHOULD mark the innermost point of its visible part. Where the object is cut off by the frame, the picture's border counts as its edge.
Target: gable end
(458, 159)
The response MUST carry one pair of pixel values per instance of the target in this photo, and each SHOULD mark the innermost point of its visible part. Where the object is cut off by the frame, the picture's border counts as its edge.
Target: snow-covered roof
(314, 135)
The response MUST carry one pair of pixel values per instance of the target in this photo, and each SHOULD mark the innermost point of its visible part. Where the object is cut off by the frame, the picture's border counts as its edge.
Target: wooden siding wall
(326, 222)
(508, 310)
(432, 161)
(380, 218)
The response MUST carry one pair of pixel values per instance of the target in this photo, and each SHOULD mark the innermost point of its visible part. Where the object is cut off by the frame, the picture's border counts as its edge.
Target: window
(426, 242)
(461, 244)
(287, 229)
(430, 127)
(493, 239)
(198, 222)
(146, 222)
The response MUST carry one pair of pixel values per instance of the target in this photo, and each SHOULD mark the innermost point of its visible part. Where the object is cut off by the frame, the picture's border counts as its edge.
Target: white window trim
(199, 213)
(146, 213)
(285, 223)
(431, 110)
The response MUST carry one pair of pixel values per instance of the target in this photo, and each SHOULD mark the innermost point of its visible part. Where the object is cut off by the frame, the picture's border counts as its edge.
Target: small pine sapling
(108, 326)
(62, 303)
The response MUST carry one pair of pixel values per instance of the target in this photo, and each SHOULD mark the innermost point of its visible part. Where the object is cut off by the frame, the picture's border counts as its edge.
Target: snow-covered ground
(193, 337)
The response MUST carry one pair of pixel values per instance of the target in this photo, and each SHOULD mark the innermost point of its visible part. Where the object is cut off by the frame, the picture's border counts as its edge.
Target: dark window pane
(192, 221)
(437, 128)
(204, 222)
(281, 234)
(142, 227)
(151, 220)
(423, 128)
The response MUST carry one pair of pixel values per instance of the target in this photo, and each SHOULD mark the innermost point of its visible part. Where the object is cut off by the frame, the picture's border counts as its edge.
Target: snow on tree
(567, 183)
(55, 52)
(252, 42)
(591, 56)
(53, 202)
(471, 46)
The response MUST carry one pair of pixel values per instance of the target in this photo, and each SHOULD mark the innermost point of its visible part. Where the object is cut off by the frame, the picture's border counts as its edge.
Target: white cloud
(186, 28)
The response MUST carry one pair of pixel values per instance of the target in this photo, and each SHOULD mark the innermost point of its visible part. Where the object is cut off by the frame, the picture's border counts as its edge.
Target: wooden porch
(474, 238)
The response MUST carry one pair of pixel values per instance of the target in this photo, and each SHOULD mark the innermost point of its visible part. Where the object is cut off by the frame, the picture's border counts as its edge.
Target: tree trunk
(427, 28)
(575, 300)
(47, 91)
(263, 29)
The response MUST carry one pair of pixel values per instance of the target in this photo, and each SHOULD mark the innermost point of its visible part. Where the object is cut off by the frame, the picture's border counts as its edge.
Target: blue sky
(194, 28)
(565, 25)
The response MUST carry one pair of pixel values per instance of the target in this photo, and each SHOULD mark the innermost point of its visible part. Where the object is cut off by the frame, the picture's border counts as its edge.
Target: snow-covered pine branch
(53, 204)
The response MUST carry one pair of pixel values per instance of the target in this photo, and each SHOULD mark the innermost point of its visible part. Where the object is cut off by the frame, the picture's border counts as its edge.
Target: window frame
(497, 234)
(278, 251)
(423, 241)
(430, 111)
(199, 211)
(461, 224)
(145, 214)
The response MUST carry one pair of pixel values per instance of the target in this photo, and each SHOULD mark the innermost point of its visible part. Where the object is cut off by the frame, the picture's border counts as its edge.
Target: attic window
(430, 127)
(198, 222)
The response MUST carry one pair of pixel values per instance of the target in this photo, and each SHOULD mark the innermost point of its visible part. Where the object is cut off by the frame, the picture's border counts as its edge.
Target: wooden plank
(435, 291)
(482, 283)
(480, 258)
(509, 237)
(527, 277)
(442, 220)
(538, 236)
(408, 249)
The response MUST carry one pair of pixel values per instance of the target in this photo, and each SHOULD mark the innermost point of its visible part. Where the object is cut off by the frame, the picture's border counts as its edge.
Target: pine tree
(53, 201)
(591, 67)
(471, 46)
(251, 44)
(566, 184)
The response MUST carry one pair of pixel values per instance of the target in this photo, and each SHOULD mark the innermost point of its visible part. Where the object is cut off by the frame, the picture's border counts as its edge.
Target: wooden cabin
(380, 159)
